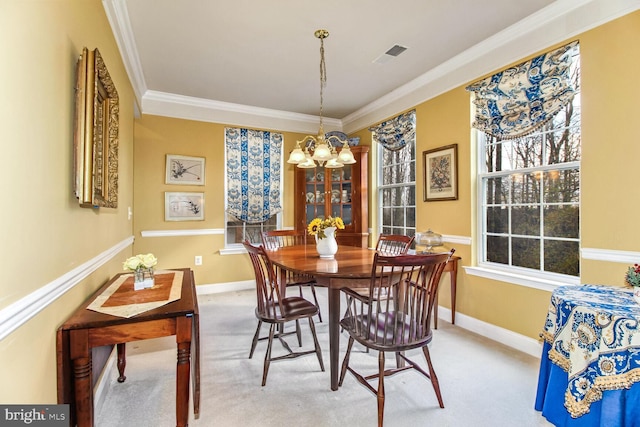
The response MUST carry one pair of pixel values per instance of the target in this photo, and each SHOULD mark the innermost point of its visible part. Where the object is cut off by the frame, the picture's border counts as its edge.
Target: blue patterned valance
(522, 98)
(394, 134)
(254, 161)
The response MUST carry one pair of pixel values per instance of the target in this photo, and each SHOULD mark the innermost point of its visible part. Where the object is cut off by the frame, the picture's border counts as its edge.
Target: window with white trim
(529, 194)
(397, 190)
(237, 231)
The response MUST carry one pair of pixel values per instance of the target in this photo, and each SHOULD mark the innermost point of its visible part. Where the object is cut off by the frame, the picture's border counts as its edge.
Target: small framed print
(183, 206)
(441, 173)
(184, 170)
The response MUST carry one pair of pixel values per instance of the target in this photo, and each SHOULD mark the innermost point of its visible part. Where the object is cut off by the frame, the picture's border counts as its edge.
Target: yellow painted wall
(610, 204)
(608, 208)
(611, 144)
(45, 234)
(155, 137)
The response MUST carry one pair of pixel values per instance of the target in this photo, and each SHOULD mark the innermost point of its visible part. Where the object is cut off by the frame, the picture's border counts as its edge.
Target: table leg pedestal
(334, 335)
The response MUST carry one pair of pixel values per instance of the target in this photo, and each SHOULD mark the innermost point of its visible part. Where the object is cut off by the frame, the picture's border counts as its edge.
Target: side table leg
(122, 361)
(183, 338)
(454, 285)
(84, 394)
(81, 358)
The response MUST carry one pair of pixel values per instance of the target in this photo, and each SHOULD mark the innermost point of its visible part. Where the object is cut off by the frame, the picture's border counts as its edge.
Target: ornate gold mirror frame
(96, 133)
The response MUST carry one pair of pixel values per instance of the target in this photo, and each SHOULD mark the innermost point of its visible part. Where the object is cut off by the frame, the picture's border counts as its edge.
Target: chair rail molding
(18, 313)
(624, 257)
(177, 233)
(461, 240)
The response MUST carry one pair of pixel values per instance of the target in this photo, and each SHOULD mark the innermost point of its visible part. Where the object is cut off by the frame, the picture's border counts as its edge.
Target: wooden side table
(86, 329)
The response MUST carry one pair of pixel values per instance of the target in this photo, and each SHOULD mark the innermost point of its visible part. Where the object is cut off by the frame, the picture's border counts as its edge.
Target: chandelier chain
(324, 150)
(323, 74)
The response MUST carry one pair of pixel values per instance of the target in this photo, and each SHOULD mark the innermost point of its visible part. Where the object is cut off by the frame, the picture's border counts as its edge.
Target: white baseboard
(504, 336)
(509, 338)
(103, 383)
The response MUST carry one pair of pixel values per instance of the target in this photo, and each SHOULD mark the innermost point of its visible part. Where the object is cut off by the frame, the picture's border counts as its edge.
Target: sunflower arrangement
(317, 226)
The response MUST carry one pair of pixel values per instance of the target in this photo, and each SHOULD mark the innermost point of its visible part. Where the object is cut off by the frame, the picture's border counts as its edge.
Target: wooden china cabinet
(322, 192)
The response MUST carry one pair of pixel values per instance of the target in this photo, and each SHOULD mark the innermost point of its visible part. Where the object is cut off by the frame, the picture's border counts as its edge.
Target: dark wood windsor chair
(275, 239)
(388, 245)
(395, 321)
(276, 311)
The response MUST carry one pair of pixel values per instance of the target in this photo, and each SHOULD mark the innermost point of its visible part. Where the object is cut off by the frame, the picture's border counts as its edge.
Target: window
(237, 231)
(397, 190)
(529, 194)
(253, 185)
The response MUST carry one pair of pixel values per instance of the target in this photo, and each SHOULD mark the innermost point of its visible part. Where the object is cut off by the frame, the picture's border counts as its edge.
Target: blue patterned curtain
(522, 98)
(253, 174)
(394, 134)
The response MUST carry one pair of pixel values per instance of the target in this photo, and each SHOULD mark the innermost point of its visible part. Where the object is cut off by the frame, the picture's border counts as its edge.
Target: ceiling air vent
(389, 54)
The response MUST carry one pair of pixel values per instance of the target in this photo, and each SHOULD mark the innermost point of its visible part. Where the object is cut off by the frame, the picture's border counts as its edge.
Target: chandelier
(324, 152)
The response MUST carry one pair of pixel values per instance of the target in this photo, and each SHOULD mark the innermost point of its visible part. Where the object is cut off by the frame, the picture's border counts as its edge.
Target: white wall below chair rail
(18, 313)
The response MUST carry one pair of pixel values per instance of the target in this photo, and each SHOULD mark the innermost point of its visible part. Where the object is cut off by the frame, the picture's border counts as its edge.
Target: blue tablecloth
(591, 358)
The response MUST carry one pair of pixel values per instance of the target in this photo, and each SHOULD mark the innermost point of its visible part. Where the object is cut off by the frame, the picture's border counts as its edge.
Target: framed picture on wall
(95, 133)
(184, 170)
(183, 206)
(441, 173)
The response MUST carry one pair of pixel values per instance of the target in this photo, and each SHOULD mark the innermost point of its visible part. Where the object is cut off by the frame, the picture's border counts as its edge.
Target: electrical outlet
(198, 260)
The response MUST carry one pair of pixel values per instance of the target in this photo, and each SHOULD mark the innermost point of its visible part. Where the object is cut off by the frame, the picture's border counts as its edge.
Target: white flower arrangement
(140, 261)
(142, 267)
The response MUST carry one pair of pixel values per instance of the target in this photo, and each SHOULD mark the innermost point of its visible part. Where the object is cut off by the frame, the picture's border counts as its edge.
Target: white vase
(636, 293)
(327, 247)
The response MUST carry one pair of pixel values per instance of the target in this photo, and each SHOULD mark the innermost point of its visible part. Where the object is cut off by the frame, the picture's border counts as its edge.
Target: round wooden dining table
(350, 268)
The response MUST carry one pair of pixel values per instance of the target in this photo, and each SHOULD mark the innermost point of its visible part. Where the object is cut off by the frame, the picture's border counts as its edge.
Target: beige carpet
(483, 383)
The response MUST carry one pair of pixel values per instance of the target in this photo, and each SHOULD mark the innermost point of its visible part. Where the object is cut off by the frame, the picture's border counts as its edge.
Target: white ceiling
(218, 60)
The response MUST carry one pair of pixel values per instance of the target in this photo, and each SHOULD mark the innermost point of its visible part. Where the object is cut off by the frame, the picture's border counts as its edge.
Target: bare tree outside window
(531, 194)
(397, 191)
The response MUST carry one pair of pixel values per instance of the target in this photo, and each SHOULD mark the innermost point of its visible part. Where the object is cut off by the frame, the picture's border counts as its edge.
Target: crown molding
(553, 24)
(118, 17)
(206, 110)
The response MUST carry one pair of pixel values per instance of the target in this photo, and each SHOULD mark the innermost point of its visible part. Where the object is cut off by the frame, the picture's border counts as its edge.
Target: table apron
(107, 335)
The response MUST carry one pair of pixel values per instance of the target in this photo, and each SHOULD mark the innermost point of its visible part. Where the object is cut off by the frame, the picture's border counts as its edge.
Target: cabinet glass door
(341, 194)
(328, 192)
(315, 194)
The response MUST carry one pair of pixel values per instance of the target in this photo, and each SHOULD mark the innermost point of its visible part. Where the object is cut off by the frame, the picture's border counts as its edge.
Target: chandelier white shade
(324, 151)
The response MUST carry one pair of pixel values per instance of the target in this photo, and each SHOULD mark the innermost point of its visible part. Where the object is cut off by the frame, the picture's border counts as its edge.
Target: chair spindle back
(267, 286)
(393, 244)
(401, 318)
